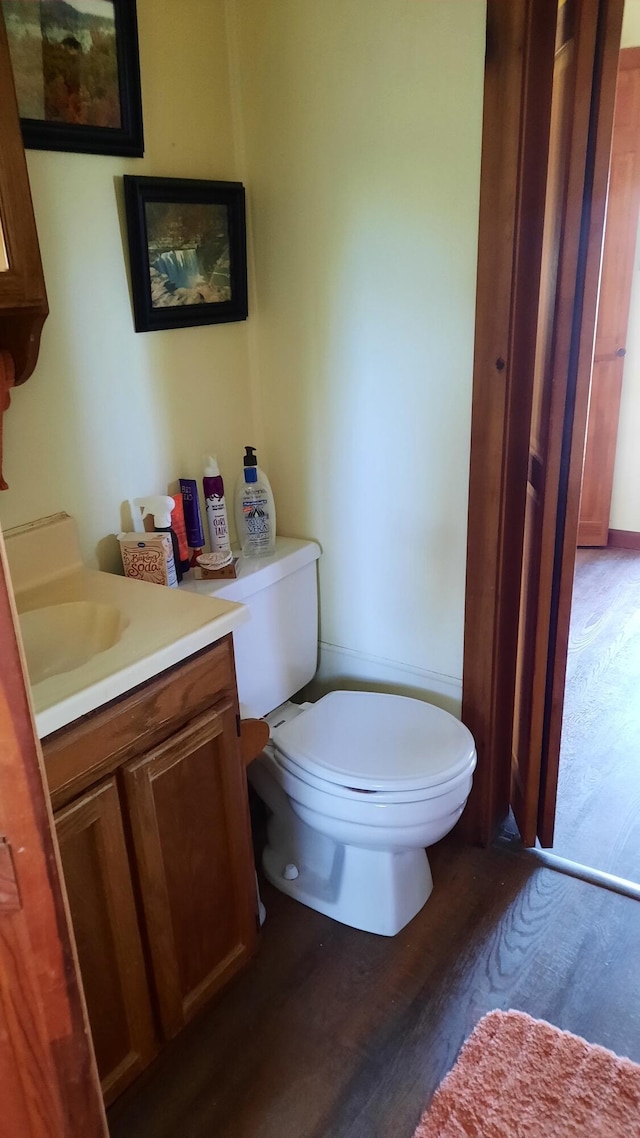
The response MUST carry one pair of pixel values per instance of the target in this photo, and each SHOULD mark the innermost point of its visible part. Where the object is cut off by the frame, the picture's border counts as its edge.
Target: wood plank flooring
(334, 1033)
(598, 810)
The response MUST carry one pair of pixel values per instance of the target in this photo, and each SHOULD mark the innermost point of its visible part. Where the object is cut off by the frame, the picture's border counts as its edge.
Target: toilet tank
(276, 650)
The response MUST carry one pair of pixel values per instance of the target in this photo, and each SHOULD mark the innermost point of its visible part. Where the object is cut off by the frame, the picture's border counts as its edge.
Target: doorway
(598, 804)
(554, 64)
(610, 451)
(599, 775)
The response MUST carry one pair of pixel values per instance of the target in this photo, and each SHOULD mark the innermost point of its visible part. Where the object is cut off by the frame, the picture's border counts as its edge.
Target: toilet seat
(396, 748)
(291, 770)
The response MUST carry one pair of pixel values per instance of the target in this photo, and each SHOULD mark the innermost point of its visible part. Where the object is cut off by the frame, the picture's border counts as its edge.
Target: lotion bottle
(238, 492)
(216, 506)
(255, 510)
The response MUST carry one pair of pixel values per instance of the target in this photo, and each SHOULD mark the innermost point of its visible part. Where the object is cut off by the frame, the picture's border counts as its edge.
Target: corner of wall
(239, 142)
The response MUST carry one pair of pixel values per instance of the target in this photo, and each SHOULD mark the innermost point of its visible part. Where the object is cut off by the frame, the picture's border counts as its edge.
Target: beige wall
(362, 128)
(110, 414)
(625, 502)
(356, 125)
(631, 24)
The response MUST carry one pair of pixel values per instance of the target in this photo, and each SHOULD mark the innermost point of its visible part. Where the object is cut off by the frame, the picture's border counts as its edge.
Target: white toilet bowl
(359, 783)
(357, 786)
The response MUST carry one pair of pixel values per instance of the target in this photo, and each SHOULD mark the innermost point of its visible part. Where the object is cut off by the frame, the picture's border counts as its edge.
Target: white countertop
(164, 626)
(156, 626)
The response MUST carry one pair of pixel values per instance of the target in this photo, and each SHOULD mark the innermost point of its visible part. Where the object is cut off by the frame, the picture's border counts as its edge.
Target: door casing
(618, 259)
(50, 1086)
(509, 243)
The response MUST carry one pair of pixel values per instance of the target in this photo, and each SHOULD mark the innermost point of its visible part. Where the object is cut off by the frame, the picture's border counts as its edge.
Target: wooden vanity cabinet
(23, 298)
(186, 802)
(151, 810)
(96, 871)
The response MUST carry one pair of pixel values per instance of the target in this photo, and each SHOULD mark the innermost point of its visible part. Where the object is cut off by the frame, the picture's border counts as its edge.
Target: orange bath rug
(518, 1077)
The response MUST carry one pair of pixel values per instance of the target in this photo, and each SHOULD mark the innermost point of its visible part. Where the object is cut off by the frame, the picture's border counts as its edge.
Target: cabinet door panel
(189, 819)
(96, 874)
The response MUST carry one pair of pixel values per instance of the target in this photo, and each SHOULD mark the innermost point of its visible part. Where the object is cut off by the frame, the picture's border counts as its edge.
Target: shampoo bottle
(217, 520)
(255, 510)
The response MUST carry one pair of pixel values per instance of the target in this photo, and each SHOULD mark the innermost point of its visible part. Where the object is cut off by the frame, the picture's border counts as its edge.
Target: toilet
(356, 784)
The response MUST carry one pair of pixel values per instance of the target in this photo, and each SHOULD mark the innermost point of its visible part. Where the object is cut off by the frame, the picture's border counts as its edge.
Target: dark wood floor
(334, 1033)
(598, 812)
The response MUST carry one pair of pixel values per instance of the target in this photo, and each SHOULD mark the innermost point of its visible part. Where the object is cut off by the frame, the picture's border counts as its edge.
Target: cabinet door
(189, 817)
(105, 924)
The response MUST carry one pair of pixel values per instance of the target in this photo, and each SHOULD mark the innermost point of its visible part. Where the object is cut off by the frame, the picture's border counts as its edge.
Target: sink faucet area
(90, 636)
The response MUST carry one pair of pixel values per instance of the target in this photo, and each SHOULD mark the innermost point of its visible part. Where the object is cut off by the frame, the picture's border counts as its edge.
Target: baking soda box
(148, 557)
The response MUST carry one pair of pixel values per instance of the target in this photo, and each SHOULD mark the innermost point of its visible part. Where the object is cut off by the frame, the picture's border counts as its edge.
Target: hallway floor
(598, 811)
(334, 1033)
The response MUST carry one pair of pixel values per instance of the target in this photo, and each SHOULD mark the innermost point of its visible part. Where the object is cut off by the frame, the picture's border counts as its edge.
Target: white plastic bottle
(255, 510)
(217, 520)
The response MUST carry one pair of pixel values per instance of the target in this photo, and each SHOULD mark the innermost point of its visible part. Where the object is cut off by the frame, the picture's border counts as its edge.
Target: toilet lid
(371, 741)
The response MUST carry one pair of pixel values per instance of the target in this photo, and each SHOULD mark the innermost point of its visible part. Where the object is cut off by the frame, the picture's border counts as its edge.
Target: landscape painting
(187, 251)
(76, 72)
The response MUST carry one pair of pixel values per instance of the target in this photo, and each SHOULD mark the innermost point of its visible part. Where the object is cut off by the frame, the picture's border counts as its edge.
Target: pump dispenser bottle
(238, 515)
(255, 510)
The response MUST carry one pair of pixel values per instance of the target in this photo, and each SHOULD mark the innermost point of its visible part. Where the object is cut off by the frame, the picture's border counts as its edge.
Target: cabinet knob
(621, 352)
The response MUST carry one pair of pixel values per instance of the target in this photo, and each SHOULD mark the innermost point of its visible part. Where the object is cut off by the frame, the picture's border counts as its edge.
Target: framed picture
(77, 74)
(187, 252)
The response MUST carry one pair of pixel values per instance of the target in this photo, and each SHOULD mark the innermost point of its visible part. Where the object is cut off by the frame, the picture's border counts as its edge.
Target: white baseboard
(343, 668)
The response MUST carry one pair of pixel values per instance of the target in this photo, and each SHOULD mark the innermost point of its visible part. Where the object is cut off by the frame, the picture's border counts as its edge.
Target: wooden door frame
(49, 1079)
(509, 243)
(590, 532)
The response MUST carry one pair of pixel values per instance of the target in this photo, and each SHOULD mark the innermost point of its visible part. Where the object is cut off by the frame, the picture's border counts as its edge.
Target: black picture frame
(216, 243)
(128, 138)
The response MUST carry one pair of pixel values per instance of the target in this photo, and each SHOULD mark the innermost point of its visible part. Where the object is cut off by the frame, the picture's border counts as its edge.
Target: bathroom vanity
(150, 807)
(134, 693)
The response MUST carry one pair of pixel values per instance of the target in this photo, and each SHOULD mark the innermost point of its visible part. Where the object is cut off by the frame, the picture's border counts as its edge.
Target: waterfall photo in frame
(187, 251)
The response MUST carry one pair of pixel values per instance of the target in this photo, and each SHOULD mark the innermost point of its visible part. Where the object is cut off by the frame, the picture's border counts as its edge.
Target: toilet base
(378, 891)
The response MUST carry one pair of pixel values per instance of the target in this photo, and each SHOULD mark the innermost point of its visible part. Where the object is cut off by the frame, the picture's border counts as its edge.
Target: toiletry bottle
(160, 507)
(178, 526)
(217, 520)
(192, 517)
(258, 536)
(238, 497)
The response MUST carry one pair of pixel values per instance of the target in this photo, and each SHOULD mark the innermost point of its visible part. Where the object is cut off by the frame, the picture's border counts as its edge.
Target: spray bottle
(160, 507)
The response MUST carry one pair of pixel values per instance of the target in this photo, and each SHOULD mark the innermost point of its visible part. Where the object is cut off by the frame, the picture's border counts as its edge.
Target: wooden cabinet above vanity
(151, 812)
(23, 298)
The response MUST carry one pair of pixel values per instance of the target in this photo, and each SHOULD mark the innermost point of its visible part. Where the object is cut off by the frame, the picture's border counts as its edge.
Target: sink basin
(60, 638)
(91, 636)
